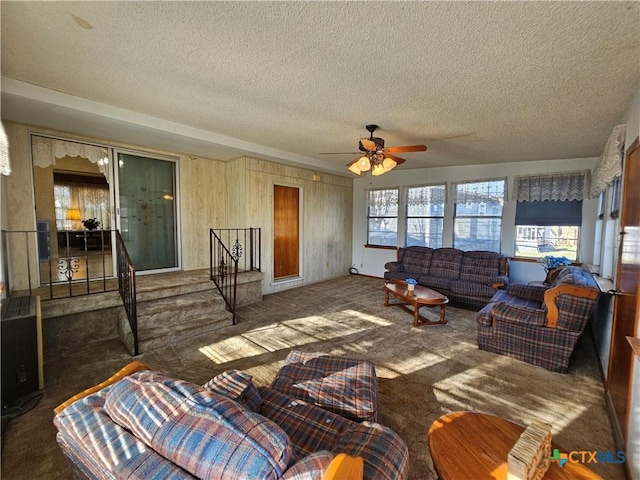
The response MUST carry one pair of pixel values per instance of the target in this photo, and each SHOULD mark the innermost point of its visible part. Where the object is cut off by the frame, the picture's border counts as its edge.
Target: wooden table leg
(416, 314)
(442, 320)
(386, 297)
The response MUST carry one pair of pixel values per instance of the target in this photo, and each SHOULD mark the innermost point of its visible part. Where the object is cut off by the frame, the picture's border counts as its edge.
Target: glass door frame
(114, 154)
(34, 132)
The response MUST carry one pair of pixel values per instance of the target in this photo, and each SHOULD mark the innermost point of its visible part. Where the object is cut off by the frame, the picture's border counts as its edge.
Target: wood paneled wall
(214, 194)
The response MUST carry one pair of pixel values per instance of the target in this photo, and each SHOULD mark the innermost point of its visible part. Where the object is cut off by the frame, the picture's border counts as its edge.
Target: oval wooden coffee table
(476, 445)
(420, 297)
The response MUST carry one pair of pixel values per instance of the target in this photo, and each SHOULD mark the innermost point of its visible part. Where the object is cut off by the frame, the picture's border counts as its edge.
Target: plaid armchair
(539, 325)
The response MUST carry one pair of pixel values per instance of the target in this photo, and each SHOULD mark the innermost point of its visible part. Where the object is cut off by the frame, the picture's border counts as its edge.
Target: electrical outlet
(361, 265)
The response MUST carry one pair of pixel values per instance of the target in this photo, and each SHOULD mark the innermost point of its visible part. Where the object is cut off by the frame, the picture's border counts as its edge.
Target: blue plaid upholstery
(446, 262)
(311, 429)
(99, 448)
(515, 322)
(206, 434)
(416, 259)
(192, 429)
(440, 284)
(343, 385)
(534, 293)
(312, 467)
(480, 267)
(236, 385)
(472, 289)
(386, 456)
(468, 279)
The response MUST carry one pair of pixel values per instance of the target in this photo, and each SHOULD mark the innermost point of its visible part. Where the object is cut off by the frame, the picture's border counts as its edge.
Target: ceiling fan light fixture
(377, 170)
(354, 168)
(364, 164)
(389, 164)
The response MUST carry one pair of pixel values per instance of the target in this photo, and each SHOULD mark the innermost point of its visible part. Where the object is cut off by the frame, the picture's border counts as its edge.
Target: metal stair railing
(232, 250)
(127, 287)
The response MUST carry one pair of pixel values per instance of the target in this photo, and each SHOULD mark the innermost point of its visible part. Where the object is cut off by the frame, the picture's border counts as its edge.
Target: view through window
(382, 217)
(477, 219)
(425, 215)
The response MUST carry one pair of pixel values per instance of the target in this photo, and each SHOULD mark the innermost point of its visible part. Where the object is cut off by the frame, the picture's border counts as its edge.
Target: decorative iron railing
(127, 287)
(232, 250)
(72, 263)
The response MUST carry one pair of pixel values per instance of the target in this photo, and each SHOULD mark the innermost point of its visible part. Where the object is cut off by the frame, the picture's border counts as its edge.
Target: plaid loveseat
(537, 324)
(147, 425)
(468, 279)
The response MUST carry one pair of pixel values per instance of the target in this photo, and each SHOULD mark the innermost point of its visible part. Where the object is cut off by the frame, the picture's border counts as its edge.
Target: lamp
(74, 215)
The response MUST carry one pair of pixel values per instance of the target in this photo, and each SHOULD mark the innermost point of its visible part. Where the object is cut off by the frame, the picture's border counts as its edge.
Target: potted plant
(91, 223)
(551, 264)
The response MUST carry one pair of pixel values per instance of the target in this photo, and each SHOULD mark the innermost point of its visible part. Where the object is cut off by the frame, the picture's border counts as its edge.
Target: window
(601, 205)
(382, 217)
(616, 186)
(550, 227)
(425, 216)
(88, 194)
(477, 222)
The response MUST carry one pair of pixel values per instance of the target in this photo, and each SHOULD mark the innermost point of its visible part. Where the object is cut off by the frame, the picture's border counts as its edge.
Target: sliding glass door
(147, 212)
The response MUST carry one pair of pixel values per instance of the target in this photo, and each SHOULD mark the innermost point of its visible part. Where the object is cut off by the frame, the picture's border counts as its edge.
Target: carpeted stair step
(162, 291)
(177, 309)
(169, 333)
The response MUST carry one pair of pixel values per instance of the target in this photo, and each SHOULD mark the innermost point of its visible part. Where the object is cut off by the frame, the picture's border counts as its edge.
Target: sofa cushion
(480, 267)
(86, 432)
(343, 385)
(417, 259)
(310, 428)
(203, 432)
(236, 385)
(437, 283)
(467, 288)
(445, 263)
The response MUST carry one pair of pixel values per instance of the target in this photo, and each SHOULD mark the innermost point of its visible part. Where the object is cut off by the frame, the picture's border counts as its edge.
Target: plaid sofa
(147, 425)
(537, 324)
(468, 279)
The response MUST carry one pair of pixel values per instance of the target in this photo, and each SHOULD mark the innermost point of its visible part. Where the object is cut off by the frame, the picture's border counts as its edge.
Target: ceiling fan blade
(339, 153)
(398, 160)
(368, 145)
(406, 148)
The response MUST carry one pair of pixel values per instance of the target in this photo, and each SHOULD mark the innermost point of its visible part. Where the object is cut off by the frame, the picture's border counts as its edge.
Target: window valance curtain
(5, 165)
(609, 166)
(426, 195)
(479, 191)
(554, 186)
(47, 150)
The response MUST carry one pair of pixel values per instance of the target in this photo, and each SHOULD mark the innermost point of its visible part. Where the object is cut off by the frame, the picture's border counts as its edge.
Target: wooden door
(626, 308)
(286, 231)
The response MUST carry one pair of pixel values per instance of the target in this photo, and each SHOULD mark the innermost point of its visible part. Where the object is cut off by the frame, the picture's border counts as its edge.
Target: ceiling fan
(376, 157)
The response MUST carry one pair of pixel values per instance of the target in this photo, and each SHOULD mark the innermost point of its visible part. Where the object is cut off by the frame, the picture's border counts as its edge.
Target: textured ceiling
(477, 82)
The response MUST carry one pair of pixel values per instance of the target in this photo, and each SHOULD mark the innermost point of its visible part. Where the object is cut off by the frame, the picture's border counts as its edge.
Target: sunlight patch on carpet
(490, 388)
(408, 365)
(291, 333)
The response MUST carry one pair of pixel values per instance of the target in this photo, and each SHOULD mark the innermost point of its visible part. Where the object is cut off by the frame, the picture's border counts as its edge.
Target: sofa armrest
(119, 375)
(394, 267)
(501, 281)
(519, 314)
(528, 291)
(345, 466)
(552, 294)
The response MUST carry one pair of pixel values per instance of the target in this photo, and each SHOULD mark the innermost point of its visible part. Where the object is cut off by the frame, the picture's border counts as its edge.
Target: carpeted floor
(422, 373)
